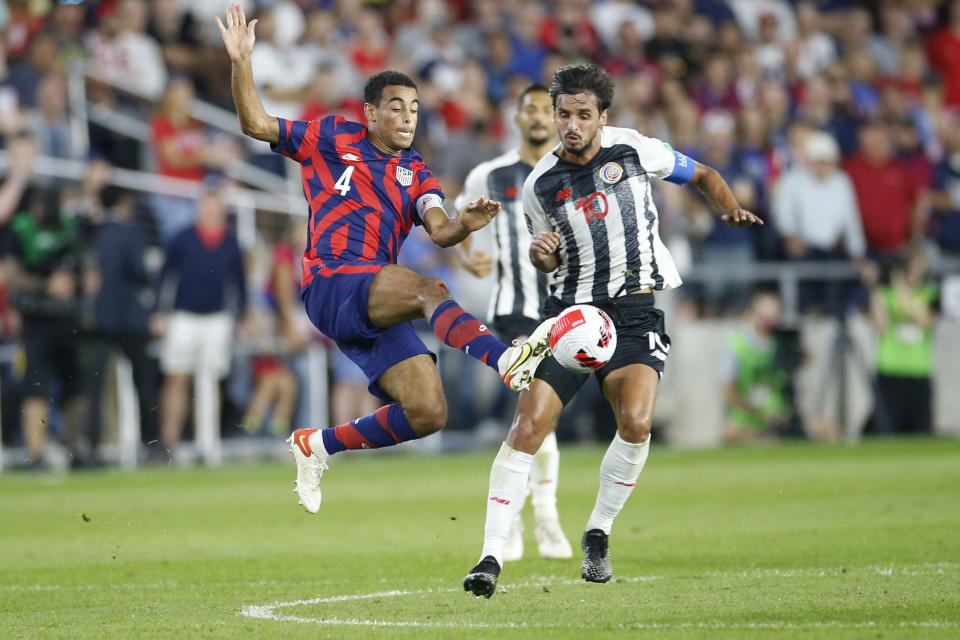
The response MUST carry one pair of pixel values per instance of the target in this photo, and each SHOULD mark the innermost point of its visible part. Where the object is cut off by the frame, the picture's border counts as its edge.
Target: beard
(581, 150)
(538, 136)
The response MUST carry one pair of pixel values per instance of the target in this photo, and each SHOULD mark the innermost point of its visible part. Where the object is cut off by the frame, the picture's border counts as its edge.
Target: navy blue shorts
(336, 302)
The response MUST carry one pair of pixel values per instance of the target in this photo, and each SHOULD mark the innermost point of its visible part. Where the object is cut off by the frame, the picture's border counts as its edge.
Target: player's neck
(531, 153)
(382, 145)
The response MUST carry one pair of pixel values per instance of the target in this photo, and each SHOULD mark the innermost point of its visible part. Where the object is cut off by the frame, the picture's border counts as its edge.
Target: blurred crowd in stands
(838, 121)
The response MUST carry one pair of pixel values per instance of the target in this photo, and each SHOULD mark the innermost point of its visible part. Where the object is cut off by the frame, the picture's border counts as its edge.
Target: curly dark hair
(373, 90)
(579, 78)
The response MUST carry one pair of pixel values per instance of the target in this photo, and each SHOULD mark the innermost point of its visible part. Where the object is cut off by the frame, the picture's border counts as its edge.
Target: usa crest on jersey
(404, 176)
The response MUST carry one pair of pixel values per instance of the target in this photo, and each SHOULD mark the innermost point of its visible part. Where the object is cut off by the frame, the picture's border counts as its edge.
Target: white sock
(619, 471)
(508, 490)
(543, 480)
(315, 440)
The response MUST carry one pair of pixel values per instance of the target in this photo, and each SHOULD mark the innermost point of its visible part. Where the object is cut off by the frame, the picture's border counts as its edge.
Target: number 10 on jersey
(594, 206)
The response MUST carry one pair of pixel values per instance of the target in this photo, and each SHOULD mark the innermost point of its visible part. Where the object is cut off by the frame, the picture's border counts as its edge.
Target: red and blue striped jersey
(363, 202)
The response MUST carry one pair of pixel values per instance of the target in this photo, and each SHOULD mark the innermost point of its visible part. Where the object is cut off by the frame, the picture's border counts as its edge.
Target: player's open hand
(544, 245)
(478, 263)
(238, 36)
(478, 214)
(741, 218)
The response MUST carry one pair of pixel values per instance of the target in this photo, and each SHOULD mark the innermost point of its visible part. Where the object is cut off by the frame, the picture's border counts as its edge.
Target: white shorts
(197, 342)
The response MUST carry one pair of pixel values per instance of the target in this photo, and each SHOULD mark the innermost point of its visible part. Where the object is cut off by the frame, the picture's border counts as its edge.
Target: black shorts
(52, 350)
(641, 339)
(509, 327)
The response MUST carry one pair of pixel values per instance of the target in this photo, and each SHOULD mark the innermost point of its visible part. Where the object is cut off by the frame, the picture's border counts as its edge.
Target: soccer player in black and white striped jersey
(520, 292)
(594, 226)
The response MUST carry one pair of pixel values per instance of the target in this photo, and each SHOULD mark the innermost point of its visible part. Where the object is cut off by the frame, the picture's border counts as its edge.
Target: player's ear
(603, 118)
(370, 111)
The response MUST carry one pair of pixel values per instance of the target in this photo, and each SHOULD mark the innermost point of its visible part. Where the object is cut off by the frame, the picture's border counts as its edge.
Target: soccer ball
(583, 338)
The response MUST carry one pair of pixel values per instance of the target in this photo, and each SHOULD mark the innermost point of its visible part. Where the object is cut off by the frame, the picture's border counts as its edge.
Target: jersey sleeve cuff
(426, 202)
(282, 144)
(683, 169)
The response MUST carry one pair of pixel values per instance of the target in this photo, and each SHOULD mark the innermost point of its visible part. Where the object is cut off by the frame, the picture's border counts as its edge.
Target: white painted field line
(270, 612)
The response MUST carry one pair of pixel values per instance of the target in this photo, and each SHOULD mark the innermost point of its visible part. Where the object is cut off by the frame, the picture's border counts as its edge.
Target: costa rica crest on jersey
(611, 173)
(404, 176)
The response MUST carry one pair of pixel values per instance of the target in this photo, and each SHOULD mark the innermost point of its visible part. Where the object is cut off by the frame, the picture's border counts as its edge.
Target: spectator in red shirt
(182, 150)
(569, 31)
(943, 51)
(325, 95)
(887, 193)
(370, 49)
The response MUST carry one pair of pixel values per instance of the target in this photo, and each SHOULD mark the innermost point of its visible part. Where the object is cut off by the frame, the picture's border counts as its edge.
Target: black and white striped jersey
(520, 288)
(605, 215)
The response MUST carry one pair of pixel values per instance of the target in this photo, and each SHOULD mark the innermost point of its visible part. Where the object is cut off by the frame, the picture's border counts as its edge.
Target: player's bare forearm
(254, 120)
(472, 217)
(442, 230)
(717, 192)
(239, 38)
(449, 233)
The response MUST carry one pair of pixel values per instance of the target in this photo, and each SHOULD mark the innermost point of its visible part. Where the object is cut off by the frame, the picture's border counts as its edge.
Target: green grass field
(792, 542)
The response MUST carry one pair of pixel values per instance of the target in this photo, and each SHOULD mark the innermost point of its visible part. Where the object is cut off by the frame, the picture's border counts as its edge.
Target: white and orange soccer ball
(583, 338)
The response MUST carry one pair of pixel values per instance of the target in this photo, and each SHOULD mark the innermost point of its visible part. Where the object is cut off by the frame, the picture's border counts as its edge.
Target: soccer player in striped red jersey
(367, 189)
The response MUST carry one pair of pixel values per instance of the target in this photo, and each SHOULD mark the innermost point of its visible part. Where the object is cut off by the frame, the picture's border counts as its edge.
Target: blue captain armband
(683, 169)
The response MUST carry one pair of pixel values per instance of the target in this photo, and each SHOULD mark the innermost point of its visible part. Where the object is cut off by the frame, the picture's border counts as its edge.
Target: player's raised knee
(634, 424)
(426, 417)
(434, 289)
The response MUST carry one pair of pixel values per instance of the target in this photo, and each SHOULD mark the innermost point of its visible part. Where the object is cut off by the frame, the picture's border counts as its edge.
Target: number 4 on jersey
(343, 183)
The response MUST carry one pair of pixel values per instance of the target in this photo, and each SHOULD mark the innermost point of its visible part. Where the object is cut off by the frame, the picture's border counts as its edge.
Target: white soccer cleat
(514, 548)
(311, 463)
(519, 362)
(551, 542)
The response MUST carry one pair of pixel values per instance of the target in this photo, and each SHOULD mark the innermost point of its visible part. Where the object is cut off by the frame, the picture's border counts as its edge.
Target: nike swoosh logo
(302, 443)
(525, 352)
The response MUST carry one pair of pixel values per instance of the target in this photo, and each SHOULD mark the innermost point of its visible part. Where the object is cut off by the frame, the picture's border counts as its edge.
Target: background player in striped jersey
(367, 188)
(519, 292)
(594, 224)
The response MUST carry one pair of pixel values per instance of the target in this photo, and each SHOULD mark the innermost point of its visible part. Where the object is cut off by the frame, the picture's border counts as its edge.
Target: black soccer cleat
(482, 579)
(596, 557)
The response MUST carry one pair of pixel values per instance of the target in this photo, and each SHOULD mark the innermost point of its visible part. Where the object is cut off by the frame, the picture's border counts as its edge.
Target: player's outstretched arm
(472, 217)
(544, 251)
(238, 37)
(715, 189)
